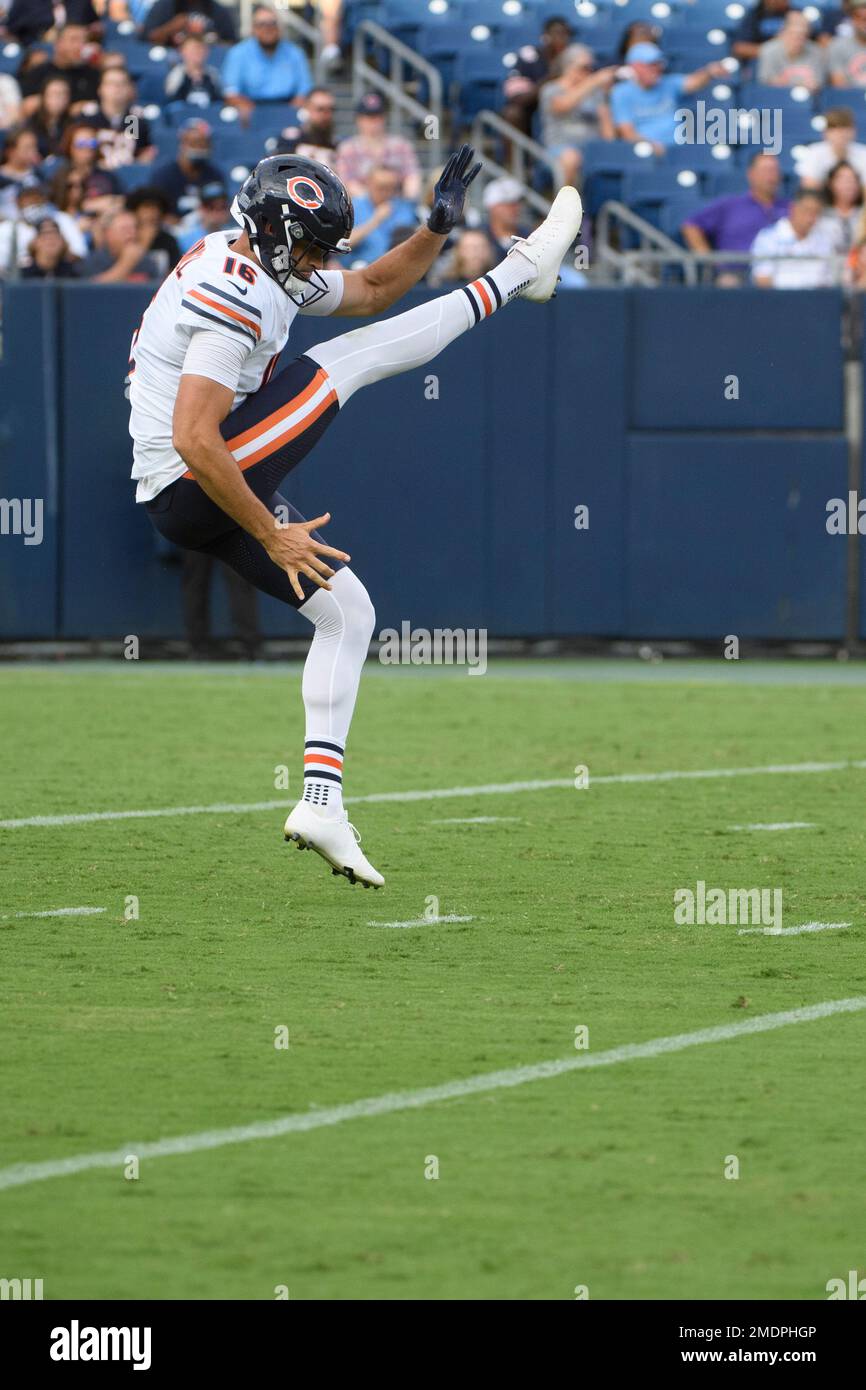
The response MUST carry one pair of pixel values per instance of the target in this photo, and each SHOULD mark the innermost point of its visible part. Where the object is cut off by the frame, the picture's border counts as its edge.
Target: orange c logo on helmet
(314, 197)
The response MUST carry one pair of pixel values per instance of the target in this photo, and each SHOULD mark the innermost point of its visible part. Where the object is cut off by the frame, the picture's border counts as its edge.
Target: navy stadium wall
(706, 515)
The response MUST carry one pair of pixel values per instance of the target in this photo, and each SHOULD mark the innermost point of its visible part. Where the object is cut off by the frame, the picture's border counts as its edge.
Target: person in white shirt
(816, 161)
(797, 253)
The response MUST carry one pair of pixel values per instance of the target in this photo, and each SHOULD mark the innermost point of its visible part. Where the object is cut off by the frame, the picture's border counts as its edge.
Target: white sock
(409, 340)
(344, 619)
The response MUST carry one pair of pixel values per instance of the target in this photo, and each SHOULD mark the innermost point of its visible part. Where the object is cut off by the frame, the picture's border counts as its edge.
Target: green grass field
(118, 1032)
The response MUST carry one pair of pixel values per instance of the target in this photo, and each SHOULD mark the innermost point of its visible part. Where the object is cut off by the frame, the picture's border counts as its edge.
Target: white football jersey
(210, 287)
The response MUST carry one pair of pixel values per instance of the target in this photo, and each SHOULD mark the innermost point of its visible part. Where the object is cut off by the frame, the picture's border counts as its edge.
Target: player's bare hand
(298, 552)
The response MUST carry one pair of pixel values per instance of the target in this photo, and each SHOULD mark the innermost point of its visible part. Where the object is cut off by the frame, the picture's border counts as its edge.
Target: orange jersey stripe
(317, 758)
(255, 430)
(485, 297)
(224, 308)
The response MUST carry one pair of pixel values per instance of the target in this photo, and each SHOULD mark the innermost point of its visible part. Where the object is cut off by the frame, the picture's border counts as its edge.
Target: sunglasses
(82, 143)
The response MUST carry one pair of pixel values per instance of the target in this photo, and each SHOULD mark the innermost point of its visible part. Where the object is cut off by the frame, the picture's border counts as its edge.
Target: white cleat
(335, 840)
(546, 247)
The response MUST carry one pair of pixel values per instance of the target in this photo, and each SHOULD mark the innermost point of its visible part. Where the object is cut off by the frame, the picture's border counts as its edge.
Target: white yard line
(777, 825)
(435, 794)
(476, 820)
(57, 912)
(20, 1174)
(792, 931)
(423, 921)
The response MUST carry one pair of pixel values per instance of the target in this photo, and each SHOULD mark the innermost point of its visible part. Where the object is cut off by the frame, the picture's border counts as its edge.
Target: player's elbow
(189, 438)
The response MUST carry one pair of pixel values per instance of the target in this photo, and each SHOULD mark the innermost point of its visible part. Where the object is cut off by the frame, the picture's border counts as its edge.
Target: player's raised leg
(530, 270)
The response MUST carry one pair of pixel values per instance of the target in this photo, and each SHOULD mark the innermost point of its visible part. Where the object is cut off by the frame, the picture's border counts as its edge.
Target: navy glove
(450, 191)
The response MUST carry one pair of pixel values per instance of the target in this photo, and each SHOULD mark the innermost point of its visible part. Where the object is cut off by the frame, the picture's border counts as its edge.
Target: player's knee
(357, 605)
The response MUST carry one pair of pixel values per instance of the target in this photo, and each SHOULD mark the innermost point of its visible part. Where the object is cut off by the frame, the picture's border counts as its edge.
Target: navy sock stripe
(475, 308)
(496, 295)
(322, 776)
(320, 743)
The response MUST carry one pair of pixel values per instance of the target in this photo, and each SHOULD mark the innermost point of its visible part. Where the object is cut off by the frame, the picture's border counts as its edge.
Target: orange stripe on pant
(284, 412)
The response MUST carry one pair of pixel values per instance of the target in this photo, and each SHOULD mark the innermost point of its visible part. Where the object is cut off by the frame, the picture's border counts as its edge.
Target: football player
(216, 431)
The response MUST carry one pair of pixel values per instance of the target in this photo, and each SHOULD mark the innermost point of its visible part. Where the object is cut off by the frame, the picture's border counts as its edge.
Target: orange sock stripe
(224, 309)
(320, 758)
(481, 291)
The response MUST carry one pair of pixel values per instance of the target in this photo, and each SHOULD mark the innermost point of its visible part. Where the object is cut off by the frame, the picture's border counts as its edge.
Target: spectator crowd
(91, 188)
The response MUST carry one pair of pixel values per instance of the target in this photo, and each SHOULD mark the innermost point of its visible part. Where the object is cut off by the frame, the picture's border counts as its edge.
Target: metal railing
(525, 153)
(635, 267)
(402, 63)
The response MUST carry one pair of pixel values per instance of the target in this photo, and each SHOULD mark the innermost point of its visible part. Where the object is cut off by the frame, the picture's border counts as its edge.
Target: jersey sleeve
(330, 301)
(218, 302)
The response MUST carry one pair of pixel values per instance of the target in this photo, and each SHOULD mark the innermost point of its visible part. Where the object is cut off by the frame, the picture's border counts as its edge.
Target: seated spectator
(182, 179)
(471, 257)
(372, 147)
(169, 22)
(377, 214)
(21, 160)
(574, 110)
(34, 204)
(758, 25)
(264, 67)
(212, 215)
(68, 193)
(644, 106)
(503, 208)
(732, 223)
(639, 31)
(120, 256)
(124, 133)
(51, 117)
(67, 60)
(80, 151)
(792, 60)
(50, 257)
(191, 79)
(531, 70)
(843, 194)
(805, 250)
(150, 207)
(846, 56)
(313, 137)
(30, 20)
(839, 143)
(10, 101)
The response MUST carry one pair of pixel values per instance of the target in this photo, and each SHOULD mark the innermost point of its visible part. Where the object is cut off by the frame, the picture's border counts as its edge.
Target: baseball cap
(502, 191)
(645, 53)
(213, 192)
(371, 104)
(195, 123)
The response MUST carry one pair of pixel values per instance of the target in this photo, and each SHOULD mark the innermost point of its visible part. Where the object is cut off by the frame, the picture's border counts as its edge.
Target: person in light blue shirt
(264, 67)
(644, 106)
(378, 214)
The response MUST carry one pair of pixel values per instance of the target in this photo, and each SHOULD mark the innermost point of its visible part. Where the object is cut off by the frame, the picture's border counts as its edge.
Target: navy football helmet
(287, 205)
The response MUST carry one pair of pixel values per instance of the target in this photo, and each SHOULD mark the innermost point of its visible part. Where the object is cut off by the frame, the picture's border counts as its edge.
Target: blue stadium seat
(855, 97)
(10, 57)
(676, 211)
(480, 76)
(150, 86)
(759, 94)
(132, 176)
